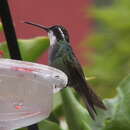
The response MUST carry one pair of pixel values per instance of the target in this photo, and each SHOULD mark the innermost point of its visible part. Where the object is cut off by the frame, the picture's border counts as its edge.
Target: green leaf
(30, 49)
(1, 27)
(121, 118)
(117, 117)
(57, 101)
(48, 125)
(76, 116)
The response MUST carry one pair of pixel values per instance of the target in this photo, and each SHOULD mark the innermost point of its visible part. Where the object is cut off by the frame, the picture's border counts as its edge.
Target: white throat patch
(52, 38)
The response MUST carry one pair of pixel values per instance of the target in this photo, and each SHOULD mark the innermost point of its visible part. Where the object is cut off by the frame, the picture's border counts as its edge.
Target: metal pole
(11, 37)
(9, 30)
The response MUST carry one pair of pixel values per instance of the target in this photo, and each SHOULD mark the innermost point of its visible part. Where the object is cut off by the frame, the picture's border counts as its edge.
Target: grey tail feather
(85, 93)
(90, 98)
(90, 109)
(96, 100)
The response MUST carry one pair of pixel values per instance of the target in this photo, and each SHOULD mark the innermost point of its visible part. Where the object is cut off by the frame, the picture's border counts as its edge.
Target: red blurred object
(18, 107)
(24, 69)
(69, 13)
(1, 53)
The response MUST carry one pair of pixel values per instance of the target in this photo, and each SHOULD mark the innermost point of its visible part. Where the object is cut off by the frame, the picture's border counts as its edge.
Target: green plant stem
(76, 116)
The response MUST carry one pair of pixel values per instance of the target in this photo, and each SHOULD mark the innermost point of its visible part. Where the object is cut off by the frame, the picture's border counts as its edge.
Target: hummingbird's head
(59, 32)
(55, 33)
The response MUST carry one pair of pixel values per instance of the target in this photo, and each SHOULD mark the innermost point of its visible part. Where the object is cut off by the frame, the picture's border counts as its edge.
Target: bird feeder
(26, 92)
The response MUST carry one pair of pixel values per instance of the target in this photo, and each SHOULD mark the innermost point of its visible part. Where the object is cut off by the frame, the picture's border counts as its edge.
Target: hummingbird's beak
(38, 25)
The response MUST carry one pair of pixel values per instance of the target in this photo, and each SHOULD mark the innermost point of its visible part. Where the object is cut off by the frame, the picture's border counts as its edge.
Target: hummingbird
(62, 57)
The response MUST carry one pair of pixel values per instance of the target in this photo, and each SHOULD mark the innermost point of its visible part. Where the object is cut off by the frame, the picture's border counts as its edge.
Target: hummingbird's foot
(66, 86)
(55, 88)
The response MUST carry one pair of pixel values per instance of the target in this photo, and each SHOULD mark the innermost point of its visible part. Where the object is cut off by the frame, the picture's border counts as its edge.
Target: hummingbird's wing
(78, 81)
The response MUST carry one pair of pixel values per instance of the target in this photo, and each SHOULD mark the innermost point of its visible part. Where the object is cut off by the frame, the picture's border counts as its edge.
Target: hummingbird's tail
(96, 100)
(90, 98)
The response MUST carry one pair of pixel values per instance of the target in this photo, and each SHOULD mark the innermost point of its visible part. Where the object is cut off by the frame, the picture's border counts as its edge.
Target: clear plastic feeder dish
(26, 91)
